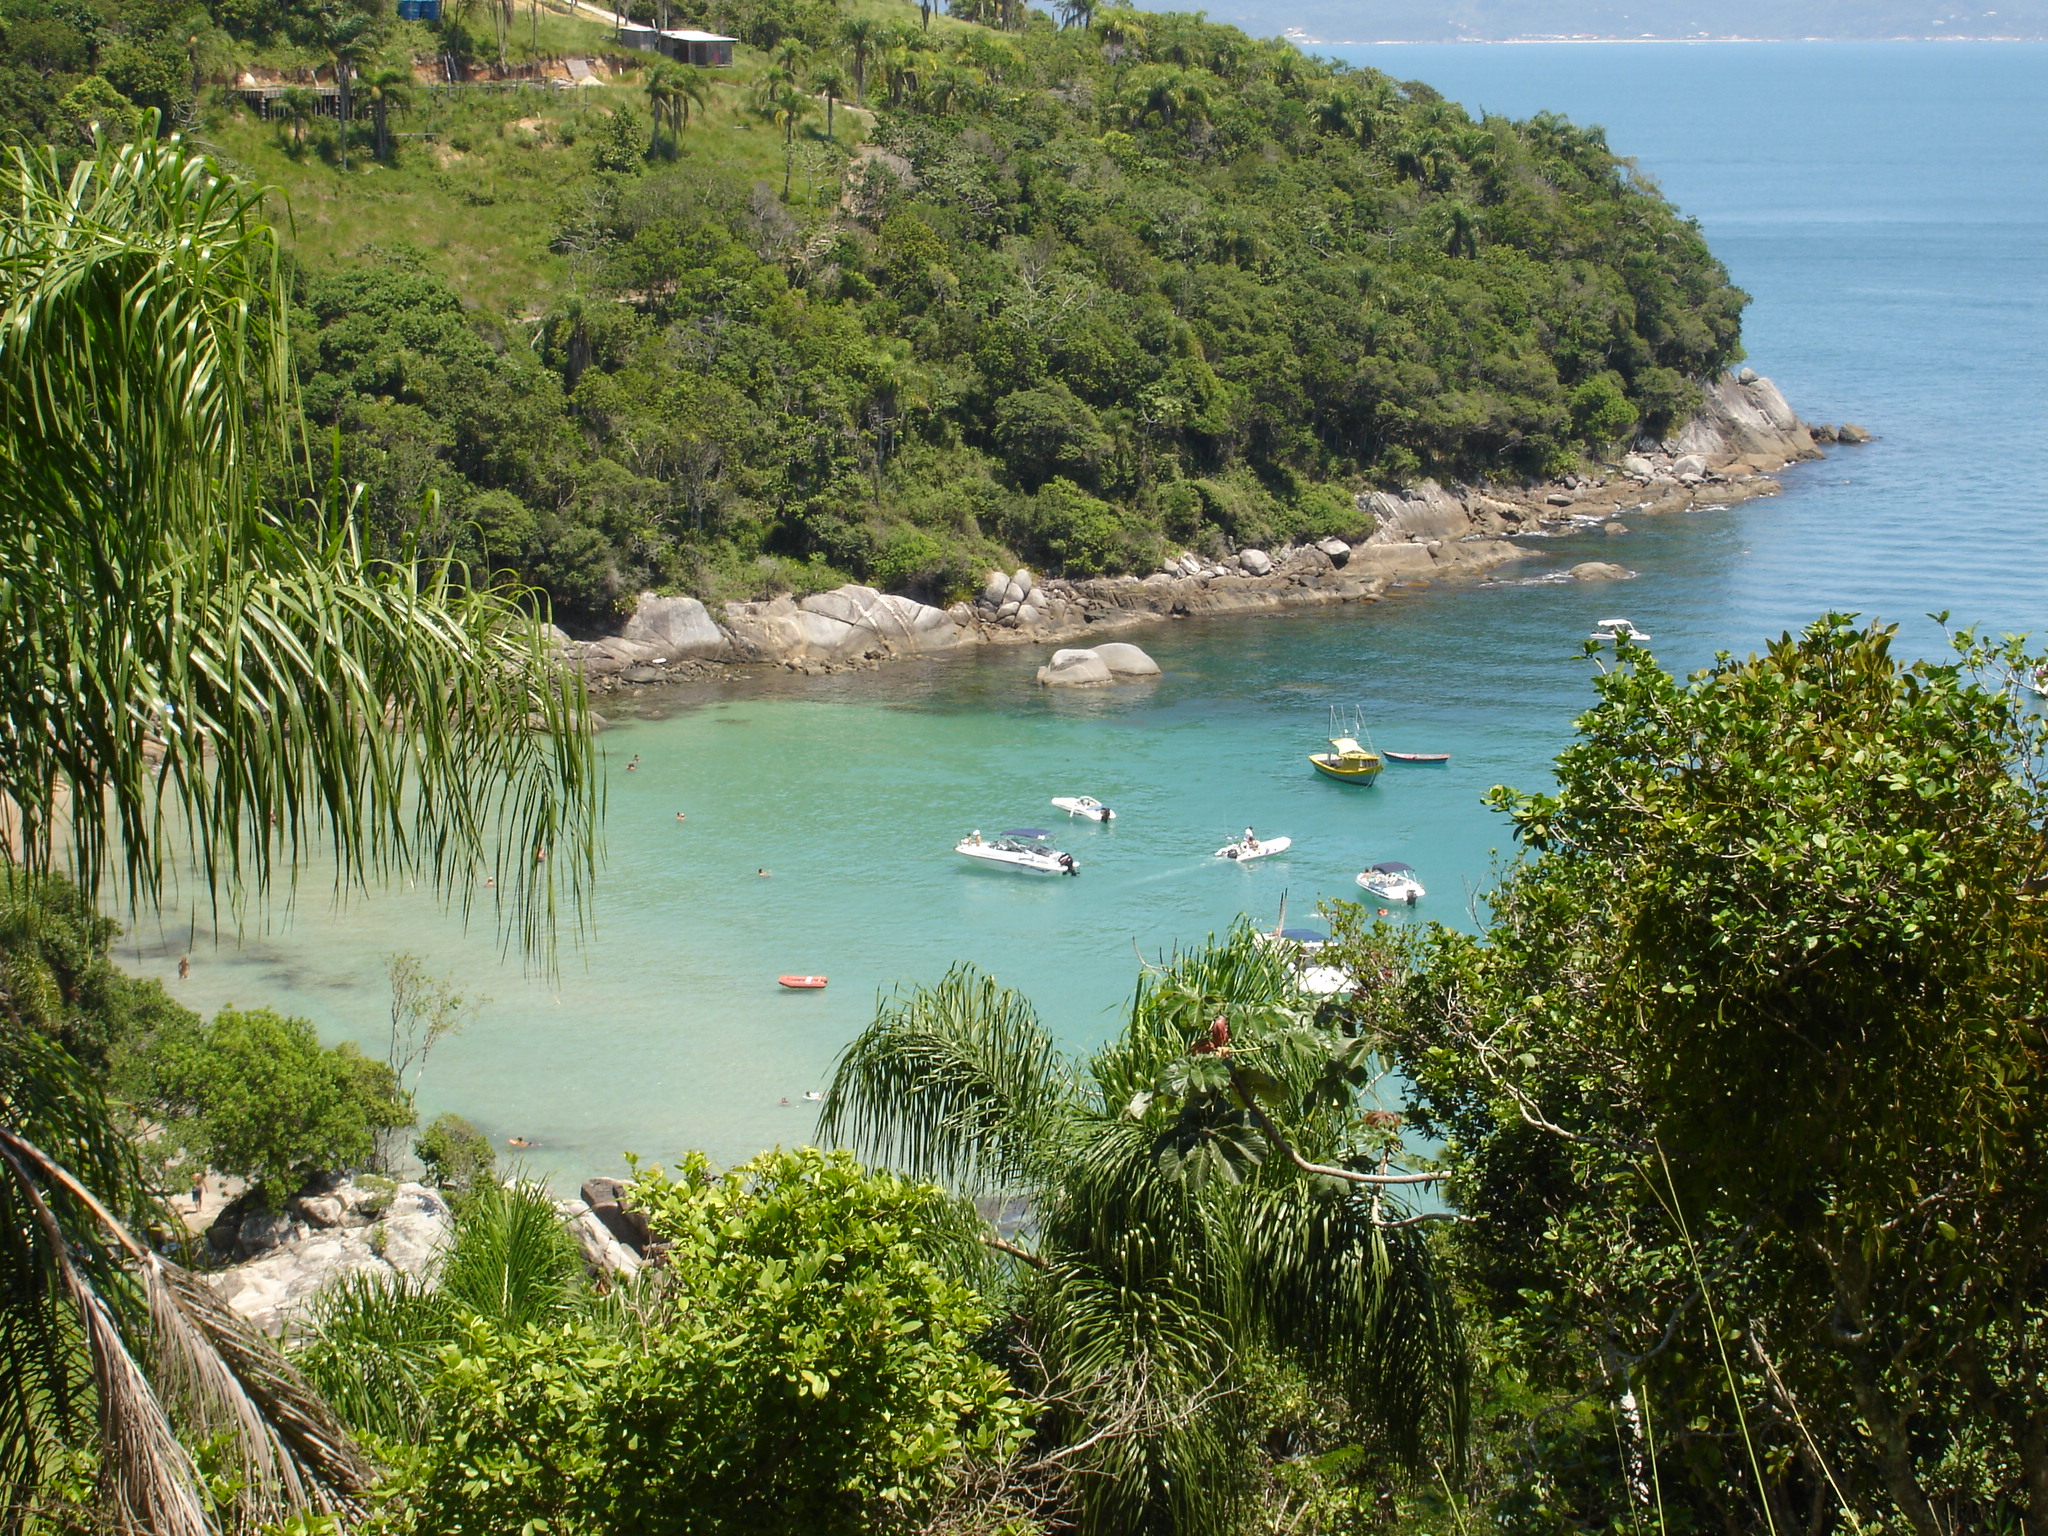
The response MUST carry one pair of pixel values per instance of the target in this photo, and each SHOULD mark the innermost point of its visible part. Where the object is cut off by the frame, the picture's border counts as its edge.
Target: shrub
(256, 1095)
(456, 1153)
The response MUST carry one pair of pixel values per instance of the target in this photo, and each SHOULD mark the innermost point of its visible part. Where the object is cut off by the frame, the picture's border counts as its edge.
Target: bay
(1886, 205)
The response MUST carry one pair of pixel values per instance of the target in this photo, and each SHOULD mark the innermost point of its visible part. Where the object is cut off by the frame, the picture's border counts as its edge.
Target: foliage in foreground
(1212, 1299)
(1743, 1084)
(802, 1363)
(192, 674)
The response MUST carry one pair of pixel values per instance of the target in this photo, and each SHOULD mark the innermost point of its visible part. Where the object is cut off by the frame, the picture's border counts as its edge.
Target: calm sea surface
(1887, 206)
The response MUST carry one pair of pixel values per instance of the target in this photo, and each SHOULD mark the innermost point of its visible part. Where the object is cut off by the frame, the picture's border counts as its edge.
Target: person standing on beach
(184, 967)
(198, 1191)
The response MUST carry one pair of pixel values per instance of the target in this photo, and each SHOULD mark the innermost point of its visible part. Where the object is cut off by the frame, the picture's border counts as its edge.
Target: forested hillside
(1067, 290)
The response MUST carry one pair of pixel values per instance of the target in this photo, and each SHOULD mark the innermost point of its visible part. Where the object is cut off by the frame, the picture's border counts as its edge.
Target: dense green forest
(893, 301)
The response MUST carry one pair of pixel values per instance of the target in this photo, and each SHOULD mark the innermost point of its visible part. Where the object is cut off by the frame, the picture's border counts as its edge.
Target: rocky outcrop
(1420, 533)
(1115, 663)
(1743, 417)
(1598, 570)
(372, 1228)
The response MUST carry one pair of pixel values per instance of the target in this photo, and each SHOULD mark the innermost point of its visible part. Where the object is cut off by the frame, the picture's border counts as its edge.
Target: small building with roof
(712, 50)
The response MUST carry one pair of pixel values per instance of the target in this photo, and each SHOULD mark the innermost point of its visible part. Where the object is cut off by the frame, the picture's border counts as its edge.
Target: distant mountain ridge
(1439, 21)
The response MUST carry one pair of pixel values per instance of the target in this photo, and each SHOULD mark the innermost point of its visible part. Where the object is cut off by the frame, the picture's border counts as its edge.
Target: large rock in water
(1126, 660)
(1599, 570)
(1075, 669)
(1113, 663)
(680, 626)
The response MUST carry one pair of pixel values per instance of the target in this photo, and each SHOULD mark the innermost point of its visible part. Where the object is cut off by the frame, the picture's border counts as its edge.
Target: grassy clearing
(480, 178)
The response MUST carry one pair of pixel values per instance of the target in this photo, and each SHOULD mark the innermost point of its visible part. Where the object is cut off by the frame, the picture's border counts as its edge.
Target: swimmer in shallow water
(681, 817)
(517, 1141)
(814, 1095)
(762, 873)
(633, 764)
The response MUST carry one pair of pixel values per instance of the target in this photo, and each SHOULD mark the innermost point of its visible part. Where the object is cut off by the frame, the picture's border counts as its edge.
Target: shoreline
(1425, 534)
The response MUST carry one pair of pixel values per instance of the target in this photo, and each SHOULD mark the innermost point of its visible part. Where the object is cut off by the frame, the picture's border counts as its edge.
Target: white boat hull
(1038, 861)
(1084, 805)
(1264, 850)
(1392, 887)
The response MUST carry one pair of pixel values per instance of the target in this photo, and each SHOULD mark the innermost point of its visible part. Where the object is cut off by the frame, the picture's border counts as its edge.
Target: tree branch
(1350, 1175)
(1015, 1252)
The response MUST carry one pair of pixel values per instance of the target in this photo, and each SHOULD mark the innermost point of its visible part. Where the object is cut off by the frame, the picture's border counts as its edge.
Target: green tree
(456, 1154)
(207, 695)
(829, 81)
(616, 149)
(295, 105)
(1601, 412)
(804, 1366)
(1742, 1083)
(351, 38)
(254, 1094)
(1214, 1212)
(862, 38)
(386, 89)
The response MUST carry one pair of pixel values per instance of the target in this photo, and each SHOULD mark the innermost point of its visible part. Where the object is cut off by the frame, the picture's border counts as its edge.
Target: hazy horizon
(1446, 21)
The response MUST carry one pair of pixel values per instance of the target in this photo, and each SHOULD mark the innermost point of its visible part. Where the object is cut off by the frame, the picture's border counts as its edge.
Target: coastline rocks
(1743, 418)
(681, 627)
(1336, 550)
(848, 622)
(1599, 570)
(412, 1229)
(602, 1250)
(1093, 668)
(1614, 529)
(1255, 561)
(1849, 432)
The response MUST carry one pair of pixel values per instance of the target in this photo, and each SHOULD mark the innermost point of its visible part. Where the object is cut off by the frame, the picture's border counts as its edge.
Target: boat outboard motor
(1067, 864)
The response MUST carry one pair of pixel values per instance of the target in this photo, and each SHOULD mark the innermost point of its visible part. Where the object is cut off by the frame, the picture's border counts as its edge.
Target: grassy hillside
(1067, 290)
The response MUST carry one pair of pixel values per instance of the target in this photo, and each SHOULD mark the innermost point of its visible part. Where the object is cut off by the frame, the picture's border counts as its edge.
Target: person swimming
(681, 817)
(633, 764)
(762, 873)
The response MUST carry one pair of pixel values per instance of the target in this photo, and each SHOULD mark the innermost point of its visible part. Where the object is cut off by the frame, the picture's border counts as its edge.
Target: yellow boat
(1347, 762)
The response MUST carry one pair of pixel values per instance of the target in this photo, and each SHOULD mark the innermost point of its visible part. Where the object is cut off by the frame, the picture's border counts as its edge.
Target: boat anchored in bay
(1347, 762)
(1020, 848)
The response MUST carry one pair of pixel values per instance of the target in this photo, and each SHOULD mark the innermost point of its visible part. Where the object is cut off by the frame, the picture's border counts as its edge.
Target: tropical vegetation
(206, 682)
(901, 296)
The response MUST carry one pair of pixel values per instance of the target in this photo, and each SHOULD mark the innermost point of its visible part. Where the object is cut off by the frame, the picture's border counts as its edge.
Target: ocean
(1887, 207)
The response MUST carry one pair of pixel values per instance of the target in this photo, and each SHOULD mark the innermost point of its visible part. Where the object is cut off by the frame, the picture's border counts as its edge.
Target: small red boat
(802, 983)
(1418, 757)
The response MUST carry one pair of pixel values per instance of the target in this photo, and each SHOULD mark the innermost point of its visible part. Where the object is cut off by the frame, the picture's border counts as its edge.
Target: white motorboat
(1019, 848)
(1246, 849)
(1084, 805)
(1608, 631)
(1393, 882)
(1303, 945)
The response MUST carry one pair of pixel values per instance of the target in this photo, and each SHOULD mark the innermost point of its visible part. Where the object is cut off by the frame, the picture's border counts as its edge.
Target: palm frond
(956, 1081)
(192, 671)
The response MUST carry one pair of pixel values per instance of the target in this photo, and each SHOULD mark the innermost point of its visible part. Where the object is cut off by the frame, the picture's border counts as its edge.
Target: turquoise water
(1885, 205)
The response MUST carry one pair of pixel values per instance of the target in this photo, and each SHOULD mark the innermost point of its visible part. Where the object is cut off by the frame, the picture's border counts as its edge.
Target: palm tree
(295, 105)
(661, 90)
(792, 106)
(862, 36)
(1122, 32)
(197, 677)
(351, 38)
(387, 88)
(829, 81)
(1209, 1199)
(692, 87)
(1077, 13)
